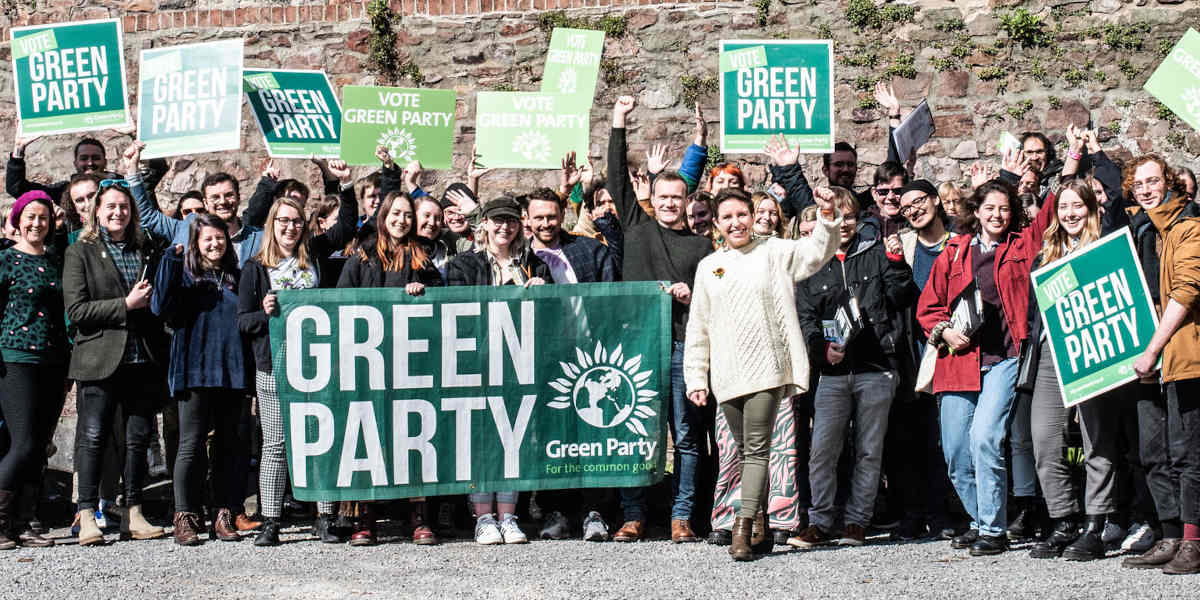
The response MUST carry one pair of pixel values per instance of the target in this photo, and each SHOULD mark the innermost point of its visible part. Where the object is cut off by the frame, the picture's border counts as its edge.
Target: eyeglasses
(909, 209)
(1152, 182)
(107, 183)
(286, 222)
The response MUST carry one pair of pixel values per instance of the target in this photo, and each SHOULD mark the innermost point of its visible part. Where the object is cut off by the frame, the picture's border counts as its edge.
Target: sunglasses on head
(107, 183)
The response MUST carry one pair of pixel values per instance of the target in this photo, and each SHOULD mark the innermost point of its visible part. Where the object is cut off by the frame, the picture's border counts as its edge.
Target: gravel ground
(303, 568)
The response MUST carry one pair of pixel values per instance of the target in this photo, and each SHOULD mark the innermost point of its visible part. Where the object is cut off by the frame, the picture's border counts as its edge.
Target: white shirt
(560, 267)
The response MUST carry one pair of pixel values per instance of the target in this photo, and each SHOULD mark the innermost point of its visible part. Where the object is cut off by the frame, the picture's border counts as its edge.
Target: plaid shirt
(129, 264)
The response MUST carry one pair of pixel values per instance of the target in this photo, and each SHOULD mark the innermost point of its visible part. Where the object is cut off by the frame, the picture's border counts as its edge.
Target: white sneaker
(511, 531)
(487, 532)
(594, 528)
(555, 527)
(1141, 537)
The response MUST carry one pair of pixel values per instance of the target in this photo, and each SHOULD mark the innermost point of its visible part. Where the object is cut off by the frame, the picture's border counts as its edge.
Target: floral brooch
(720, 272)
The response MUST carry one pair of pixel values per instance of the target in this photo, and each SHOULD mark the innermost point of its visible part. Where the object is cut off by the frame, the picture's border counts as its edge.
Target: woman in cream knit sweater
(744, 337)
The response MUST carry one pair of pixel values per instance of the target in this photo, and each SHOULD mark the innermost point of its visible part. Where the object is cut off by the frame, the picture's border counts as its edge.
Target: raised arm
(786, 171)
(336, 237)
(618, 183)
(691, 169)
(807, 255)
(151, 218)
(15, 180)
(259, 205)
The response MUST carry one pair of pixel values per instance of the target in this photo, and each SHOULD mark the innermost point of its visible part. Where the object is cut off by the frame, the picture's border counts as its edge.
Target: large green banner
(770, 87)
(472, 389)
(190, 98)
(69, 77)
(1098, 315)
(573, 64)
(529, 130)
(1176, 82)
(414, 124)
(297, 112)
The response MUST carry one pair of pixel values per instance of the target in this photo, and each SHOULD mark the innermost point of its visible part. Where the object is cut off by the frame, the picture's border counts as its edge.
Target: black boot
(8, 541)
(1065, 531)
(989, 545)
(1089, 546)
(269, 534)
(965, 540)
(1022, 524)
(325, 528)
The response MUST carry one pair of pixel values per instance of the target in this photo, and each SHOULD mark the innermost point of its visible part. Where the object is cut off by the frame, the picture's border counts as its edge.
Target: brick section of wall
(143, 15)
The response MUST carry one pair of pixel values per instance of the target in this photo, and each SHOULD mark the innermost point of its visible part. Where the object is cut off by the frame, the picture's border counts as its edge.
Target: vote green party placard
(529, 130)
(1176, 82)
(296, 111)
(1098, 315)
(414, 124)
(472, 389)
(573, 63)
(190, 98)
(773, 87)
(69, 77)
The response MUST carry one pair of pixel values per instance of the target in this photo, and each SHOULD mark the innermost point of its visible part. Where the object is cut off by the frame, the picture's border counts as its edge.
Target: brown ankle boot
(223, 526)
(187, 529)
(739, 548)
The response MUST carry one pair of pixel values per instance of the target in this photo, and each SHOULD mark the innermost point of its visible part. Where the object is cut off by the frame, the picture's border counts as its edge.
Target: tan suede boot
(89, 532)
(134, 526)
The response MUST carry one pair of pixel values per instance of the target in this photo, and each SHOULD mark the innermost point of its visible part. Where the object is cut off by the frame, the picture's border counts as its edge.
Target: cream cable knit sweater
(742, 326)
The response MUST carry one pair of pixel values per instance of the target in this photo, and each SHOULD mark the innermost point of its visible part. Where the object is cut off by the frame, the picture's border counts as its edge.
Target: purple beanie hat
(25, 200)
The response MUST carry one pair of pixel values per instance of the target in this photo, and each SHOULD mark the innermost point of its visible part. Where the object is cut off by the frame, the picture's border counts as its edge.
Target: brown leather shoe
(223, 527)
(1156, 557)
(739, 547)
(244, 523)
(30, 538)
(681, 532)
(1186, 561)
(631, 531)
(187, 529)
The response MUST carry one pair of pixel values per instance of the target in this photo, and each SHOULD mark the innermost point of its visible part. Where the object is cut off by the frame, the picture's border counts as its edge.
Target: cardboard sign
(69, 77)
(190, 98)
(773, 87)
(573, 64)
(296, 111)
(414, 124)
(1176, 82)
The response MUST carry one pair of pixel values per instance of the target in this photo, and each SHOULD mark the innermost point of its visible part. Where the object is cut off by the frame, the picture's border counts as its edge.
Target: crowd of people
(803, 322)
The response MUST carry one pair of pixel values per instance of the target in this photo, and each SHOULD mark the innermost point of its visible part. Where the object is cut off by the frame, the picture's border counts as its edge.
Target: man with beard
(660, 248)
(1039, 154)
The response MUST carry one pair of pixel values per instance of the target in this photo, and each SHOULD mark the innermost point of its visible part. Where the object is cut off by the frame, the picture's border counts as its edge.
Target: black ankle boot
(269, 534)
(8, 541)
(325, 528)
(1065, 532)
(1090, 545)
(1022, 524)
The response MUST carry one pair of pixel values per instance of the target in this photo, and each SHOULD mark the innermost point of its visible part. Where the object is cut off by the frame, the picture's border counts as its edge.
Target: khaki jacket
(1179, 280)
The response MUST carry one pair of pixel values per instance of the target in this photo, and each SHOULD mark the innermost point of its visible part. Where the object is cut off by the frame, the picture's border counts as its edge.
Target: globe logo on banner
(568, 82)
(605, 389)
(532, 145)
(1192, 97)
(400, 144)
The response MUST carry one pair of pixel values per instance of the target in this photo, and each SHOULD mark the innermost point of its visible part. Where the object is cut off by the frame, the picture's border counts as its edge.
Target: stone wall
(1086, 62)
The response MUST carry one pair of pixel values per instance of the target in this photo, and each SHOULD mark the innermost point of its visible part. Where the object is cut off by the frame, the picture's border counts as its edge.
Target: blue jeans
(974, 425)
(687, 430)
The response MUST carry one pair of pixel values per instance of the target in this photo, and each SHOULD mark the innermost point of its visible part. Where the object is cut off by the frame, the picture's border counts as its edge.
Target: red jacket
(952, 273)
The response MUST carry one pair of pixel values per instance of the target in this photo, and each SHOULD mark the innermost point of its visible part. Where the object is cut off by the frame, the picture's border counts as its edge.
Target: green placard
(296, 111)
(472, 389)
(1098, 315)
(573, 64)
(1176, 82)
(770, 87)
(415, 124)
(529, 130)
(190, 98)
(69, 77)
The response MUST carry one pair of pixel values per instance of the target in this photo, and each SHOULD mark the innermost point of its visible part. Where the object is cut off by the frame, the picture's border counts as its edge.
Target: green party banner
(296, 111)
(1176, 82)
(1098, 315)
(190, 98)
(472, 389)
(414, 124)
(773, 87)
(529, 130)
(69, 77)
(573, 64)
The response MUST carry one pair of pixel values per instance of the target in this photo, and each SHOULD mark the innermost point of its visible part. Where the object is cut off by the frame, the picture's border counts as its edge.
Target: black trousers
(1169, 435)
(202, 410)
(913, 462)
(133, 391)
(31, 400)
